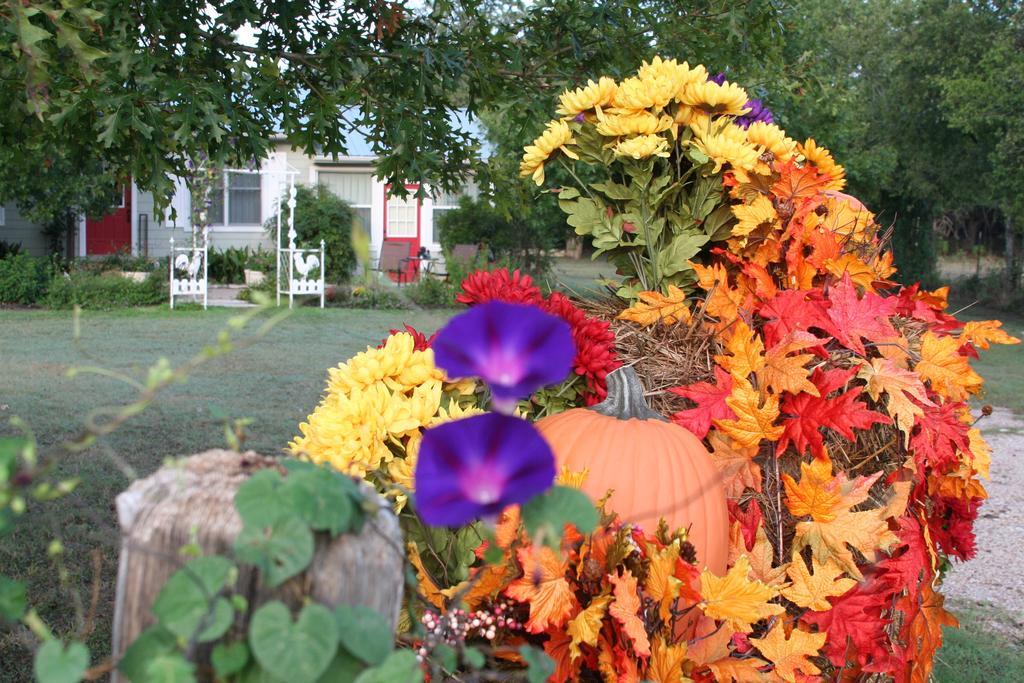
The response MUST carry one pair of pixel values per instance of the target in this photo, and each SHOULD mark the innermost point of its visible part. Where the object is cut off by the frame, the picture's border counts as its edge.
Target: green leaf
(613, 190)
(56, 663)
(259, 500)
(718, 225)
(539, 665)
(676, 256)
(474, 658)
(184, 603)
(344, 667)
(170, 668)
(552, 510)
(280, 552)
(299, 651)
(12, 599)
(10, 448)
(229, 658)
(401, 665)
(364, 633)
(325, 499)
(152, 643)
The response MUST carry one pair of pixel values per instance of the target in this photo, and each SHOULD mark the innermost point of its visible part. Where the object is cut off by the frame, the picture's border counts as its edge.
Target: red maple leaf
(952, 526)
(910, 563)
(855, 318)
(939, 434)
(911, 302)
(710, 400)
(857, 630)
(791, 310)
(749, 520)
(806, 415)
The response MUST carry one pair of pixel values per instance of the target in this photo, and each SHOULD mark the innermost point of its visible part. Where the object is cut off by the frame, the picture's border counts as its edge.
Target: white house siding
(16, 229)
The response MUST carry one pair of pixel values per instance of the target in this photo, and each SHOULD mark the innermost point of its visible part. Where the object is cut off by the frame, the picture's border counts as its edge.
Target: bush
(103, 290)
(228, 266)
(9, 249)
(521, 241)
(432, 292)
(321, 215)
(365, 297)
(22, 279)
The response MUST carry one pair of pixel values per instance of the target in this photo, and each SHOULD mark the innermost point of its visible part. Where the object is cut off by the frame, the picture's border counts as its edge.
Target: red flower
(420, 341)
(499, 285)
(595, 342)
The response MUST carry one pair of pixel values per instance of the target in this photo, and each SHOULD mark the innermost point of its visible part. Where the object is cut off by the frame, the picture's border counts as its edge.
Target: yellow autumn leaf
(790, 655)
(655, 307)
(585, 627)
(883, 375)
(735, 465)
(783, 372)
(661, 585)
(948, 371)
(666, 662)
(735, 599)
(755, 420)
(813, 590)
(745, 352)
(982, 333)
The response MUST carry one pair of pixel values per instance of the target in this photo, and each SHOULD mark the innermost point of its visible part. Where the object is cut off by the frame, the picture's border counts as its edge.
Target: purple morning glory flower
(758, 112)
(718, 78)
(475, 467)
(515, 348)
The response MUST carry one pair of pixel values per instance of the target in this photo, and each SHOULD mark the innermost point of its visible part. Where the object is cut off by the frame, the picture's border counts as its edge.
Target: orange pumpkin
(654, 467)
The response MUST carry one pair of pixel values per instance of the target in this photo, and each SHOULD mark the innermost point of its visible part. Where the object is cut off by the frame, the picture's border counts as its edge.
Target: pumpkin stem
(626, 397)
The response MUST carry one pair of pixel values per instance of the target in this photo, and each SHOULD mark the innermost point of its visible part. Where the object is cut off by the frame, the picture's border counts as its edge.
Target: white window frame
(354, 171)
(224, 225)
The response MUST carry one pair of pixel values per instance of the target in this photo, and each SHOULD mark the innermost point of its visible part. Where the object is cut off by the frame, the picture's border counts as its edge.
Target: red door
(112, 233)
(402, 224)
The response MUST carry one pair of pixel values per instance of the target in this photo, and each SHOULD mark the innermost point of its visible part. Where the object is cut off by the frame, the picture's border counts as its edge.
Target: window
(403, 214)
(354, 187)
(236, 195)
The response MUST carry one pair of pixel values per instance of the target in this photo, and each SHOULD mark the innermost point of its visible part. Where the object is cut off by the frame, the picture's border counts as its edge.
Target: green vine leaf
(324, 499)
(170, 668)
(260, 501)
(56, 663)
(280, 551)
(152, 643)
(401, 665)
(12, 599)
(184, 603)
(299, 651)
(229, 658)
(551, 511)
(539, 665)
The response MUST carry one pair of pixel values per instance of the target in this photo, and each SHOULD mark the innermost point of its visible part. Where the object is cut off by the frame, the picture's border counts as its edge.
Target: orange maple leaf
(667, 661)
(723, 300)
(426, 585)
(813, 590)
(544, 587)
(783, 372)
(662, 585)
(946, 368)
(735, 464)
(746, 352)
(899, 385)
(833, 525)
(655, 307)
(982, 333)
(585, 627)
(746, 670)
(790, 655)
(926, 633)
(735, 599)
(755, 419)
(761, 556)
(625, 610)
(860, 272)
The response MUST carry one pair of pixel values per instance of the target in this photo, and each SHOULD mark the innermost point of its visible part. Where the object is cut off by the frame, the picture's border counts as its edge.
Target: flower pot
(254, 277)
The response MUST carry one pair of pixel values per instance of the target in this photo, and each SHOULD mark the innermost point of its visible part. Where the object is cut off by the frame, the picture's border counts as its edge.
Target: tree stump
(192, 501)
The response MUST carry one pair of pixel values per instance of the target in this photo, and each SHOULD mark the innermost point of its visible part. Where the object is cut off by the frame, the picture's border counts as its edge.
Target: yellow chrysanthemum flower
(639, 123)
(681, 76)
(727, 99)
(642, 147)
(572, 478)
(398, 364)
(758, 217)
(726, 143)
(592, 96)
(770, 138)
(554, 138)
(823, 161)
(636, 93)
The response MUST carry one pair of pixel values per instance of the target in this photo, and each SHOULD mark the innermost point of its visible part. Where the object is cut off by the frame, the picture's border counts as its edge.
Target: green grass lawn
(276, 383)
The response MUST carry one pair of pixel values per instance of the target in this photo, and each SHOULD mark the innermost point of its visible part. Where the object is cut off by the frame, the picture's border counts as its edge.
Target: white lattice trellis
(188, 270)
(300, 271)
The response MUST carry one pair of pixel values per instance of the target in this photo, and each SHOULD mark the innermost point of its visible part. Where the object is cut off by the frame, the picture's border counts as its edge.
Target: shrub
(321, 215)
(365, 297)
(522, 241)
(432, 292)
(9, 249)
(103, 290)
(22, 279)
(228, 266)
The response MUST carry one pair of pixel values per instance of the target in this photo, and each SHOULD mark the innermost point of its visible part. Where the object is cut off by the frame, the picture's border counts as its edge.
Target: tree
(154, 84)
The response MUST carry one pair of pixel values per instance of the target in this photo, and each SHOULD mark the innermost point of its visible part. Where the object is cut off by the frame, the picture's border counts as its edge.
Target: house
(246, 201)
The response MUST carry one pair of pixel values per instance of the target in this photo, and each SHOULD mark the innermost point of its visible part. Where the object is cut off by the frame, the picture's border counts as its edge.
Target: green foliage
(296, 651)
(322, 215)
(22, 279)
(548, 513)
(103, 290)
(9, 249)
(183, 604)
(432, 292)
(540, 665)
(364, 633)
(519, 235)
(57, 663)
(228, 266)
(914, 249)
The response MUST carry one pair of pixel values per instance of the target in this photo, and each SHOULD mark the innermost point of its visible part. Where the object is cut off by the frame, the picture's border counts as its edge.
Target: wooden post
(192, 501)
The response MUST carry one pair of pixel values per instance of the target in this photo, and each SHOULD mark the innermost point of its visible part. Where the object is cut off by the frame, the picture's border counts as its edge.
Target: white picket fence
(188, 270)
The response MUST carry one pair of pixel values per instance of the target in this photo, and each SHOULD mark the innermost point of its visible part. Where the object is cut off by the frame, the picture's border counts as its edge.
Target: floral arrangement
(833, 402)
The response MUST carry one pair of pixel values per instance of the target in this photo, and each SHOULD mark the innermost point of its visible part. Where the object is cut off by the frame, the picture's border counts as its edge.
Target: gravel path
(996, 575)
